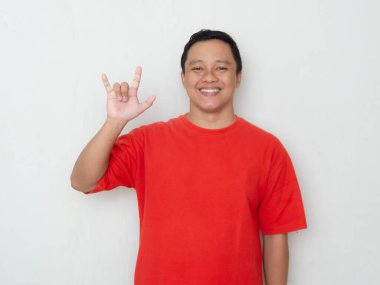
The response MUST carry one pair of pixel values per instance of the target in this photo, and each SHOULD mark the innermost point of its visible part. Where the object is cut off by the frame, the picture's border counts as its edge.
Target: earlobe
(183, 78)
(238, 80)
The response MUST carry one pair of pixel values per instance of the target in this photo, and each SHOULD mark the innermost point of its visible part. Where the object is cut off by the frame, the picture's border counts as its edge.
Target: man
(207, 181)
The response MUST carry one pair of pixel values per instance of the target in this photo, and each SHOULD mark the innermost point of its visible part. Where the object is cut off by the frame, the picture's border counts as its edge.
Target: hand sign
(122, 101)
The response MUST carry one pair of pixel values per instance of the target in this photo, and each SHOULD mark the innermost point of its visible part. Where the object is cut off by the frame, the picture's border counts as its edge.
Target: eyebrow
(217, 61)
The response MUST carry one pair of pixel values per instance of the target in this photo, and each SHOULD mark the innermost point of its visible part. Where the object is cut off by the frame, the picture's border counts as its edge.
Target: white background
(311, 77)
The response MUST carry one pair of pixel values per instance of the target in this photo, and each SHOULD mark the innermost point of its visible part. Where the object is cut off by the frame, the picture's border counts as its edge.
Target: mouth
(210, 91)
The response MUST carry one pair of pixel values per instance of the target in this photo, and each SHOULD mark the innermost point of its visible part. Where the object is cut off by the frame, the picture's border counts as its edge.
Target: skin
(209, 65)
(122, 106)
(275, 259)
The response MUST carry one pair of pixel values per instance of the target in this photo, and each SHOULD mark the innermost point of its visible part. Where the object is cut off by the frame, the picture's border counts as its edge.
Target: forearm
(93, 160)
(276, 259)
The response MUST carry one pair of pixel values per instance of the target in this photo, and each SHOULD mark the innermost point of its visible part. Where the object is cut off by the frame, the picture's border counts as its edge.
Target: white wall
(311, 76)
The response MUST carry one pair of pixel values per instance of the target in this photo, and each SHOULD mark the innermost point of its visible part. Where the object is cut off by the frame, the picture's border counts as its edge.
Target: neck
(211, 120)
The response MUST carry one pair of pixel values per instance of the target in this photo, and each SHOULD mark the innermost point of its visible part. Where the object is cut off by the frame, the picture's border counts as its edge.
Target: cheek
(234, 80)
(190, 82)
(229, 81)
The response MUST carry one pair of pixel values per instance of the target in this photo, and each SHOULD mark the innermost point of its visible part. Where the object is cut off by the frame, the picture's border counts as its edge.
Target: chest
(195, 170)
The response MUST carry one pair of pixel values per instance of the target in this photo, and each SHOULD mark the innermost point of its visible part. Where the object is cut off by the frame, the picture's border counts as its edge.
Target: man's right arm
(93, 161)
(122, 106)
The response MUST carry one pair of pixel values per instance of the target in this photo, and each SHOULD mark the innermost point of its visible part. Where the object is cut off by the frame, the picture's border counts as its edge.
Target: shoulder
(147, 129)
(260, 134)
(158, 125)
(268, 143)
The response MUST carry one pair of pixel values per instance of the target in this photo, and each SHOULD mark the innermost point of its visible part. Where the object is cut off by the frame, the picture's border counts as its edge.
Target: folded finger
(116, 88)
(124, 89)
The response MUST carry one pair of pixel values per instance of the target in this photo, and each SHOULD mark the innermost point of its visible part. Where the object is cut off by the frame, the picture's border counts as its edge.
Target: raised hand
(122, 101)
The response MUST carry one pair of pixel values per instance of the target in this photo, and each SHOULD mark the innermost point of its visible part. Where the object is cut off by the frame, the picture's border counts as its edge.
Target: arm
(122, 106)
(276, 259)
(93, 161)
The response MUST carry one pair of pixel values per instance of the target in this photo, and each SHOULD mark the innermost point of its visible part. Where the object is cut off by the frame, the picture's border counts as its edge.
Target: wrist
(116, 123)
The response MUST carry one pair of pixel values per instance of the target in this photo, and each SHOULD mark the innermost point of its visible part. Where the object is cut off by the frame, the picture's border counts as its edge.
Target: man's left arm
(275, 259)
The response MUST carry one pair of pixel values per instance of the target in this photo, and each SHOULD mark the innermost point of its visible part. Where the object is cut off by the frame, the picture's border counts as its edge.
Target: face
(210, 77)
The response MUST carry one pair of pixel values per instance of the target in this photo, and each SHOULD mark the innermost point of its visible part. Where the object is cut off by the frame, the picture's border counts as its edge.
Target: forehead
(210, 50)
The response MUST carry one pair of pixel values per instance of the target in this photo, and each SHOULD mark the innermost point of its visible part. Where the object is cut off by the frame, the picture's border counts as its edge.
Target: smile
(209, 91)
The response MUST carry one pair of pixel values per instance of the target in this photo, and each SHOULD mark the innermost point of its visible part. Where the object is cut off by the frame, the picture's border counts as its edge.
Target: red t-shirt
(203, 195)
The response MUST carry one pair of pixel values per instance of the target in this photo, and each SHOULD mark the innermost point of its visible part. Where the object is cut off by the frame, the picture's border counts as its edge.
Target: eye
(221, 68)
(196, 68)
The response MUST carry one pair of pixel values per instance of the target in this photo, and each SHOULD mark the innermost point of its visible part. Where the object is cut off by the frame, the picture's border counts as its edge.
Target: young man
(206, 181)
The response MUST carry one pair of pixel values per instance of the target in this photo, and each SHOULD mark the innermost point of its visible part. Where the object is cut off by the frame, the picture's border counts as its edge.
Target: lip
(209, 91)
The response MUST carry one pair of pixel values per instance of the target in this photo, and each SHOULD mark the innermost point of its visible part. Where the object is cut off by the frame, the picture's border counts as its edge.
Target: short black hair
(204, 35)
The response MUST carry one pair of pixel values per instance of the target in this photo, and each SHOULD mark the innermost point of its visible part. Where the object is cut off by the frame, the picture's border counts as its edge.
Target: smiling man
(210, 75)
(207, 182)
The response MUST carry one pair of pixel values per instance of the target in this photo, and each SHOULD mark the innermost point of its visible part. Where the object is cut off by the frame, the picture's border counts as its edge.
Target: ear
(183, 78)
(238, 79)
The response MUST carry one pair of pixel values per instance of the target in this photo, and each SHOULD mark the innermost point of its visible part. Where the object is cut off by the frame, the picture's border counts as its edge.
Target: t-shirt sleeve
(125, 163)
(281, 208)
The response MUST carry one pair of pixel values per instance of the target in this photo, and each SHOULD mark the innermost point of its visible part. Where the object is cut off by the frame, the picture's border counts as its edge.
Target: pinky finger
(106, 83)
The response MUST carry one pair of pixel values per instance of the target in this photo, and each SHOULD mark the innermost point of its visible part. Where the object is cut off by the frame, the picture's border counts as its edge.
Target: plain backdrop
(310, 76)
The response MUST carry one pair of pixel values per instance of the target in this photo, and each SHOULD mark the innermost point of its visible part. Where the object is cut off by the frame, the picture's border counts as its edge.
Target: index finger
(136, 79)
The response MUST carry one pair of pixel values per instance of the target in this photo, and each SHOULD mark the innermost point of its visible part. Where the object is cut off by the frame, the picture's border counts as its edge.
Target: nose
(209, 76)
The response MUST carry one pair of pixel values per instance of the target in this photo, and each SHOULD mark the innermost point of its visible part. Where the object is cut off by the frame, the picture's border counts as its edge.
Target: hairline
(212, 35)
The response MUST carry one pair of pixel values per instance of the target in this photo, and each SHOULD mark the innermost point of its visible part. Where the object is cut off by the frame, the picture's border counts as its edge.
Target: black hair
(204, 35)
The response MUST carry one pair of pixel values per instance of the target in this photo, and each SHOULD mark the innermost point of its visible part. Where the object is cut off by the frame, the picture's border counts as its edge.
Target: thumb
(147, 103)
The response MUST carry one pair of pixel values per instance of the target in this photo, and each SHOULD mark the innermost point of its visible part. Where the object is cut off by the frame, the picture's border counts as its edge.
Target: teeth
(209, 90)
